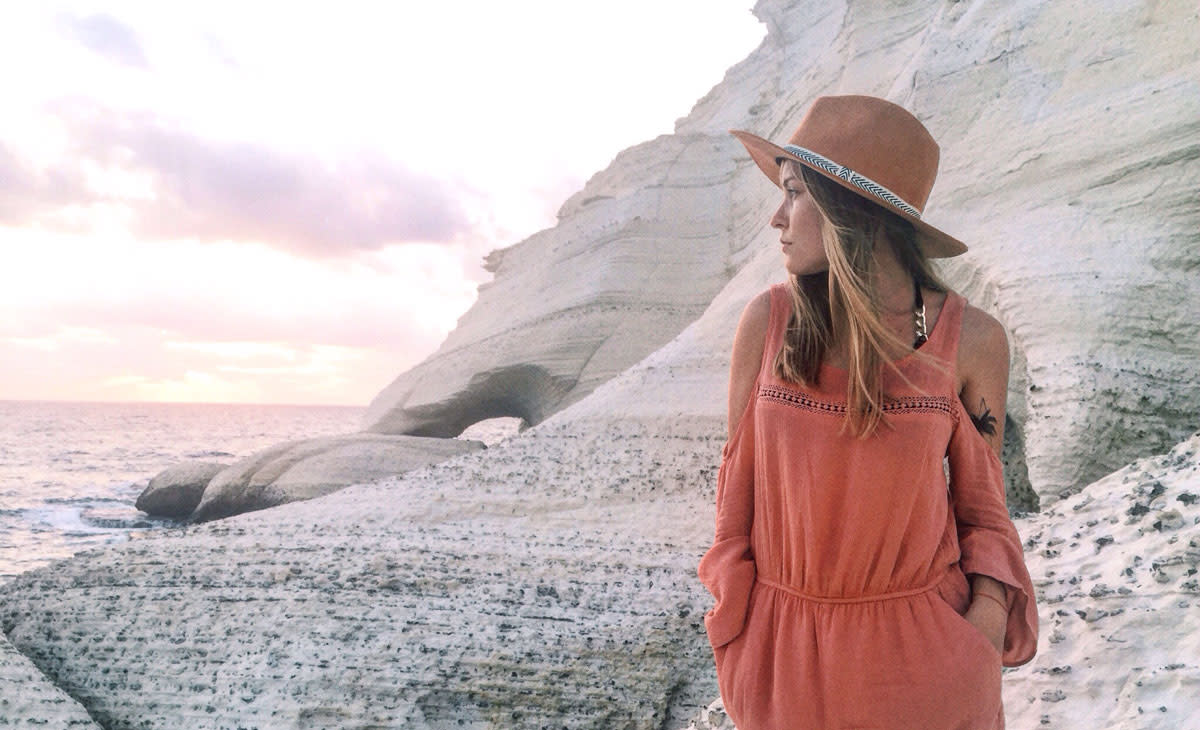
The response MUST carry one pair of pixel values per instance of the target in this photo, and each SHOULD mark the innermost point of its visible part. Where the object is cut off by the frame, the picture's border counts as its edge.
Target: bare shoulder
(756, 314)
(748, 344)
(983, 344)
(983, 373)
(751, 335)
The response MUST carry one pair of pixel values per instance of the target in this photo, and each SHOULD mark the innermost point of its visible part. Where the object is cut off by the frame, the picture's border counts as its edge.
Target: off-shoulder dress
(839, 565)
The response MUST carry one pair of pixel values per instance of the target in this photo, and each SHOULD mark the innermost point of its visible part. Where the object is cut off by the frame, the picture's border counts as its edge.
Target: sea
(70, 472)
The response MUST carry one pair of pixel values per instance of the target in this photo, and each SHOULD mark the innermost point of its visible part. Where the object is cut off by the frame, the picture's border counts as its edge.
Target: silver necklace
(919, 314)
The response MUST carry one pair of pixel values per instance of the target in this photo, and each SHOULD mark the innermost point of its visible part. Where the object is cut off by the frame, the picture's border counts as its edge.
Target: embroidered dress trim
(906, 404)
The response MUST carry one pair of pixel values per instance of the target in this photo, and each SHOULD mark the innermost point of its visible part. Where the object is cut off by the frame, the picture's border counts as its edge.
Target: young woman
(855, 587)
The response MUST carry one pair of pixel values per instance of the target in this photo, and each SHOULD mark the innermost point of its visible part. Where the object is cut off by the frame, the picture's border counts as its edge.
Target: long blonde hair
(843, 300)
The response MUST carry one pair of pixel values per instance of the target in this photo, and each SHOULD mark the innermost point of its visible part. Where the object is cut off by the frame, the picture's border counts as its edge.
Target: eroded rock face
(299, 470)
(175, 492)
(635, 257)
(1070, 161)
(1115, 567)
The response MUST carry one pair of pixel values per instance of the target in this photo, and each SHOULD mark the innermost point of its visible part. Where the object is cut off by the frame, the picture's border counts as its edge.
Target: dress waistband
(853, 599)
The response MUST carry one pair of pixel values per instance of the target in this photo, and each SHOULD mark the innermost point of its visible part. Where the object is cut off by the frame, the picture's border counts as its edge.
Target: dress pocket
(970, 669)
(966, 627)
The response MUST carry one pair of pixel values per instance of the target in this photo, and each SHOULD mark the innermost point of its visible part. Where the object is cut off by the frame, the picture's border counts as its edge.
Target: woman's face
(799, 223)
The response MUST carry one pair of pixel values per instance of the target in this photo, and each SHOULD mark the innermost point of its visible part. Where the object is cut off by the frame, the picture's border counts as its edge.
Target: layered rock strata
(468, 601)
(1085, 245)
(28, 699)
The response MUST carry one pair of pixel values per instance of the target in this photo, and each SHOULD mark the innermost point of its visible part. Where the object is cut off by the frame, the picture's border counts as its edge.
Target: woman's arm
(983, 374)
(983, 364)
(748, 344)
(728, 569)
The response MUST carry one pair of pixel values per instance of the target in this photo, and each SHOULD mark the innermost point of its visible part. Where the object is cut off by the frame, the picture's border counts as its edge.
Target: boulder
(299, 470)
(175, 491)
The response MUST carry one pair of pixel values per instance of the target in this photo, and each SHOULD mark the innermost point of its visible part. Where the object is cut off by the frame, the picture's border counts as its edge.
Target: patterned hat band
(866, 184)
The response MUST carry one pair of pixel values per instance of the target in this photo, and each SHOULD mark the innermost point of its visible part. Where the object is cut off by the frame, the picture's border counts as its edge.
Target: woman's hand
(990, 618)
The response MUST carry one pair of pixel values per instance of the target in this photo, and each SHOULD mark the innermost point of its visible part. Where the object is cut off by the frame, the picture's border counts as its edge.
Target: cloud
(220, 52)
(175, 185)
(142, 364)
(19, 190)
(106, 36)
(27, 194)
(209, 322)
(64, 336)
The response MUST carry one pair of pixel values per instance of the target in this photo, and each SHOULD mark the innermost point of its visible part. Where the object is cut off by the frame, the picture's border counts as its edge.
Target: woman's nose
(779, 220)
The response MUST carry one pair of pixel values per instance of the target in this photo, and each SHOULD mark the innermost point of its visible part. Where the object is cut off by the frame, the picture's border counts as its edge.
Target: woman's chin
(816, 268)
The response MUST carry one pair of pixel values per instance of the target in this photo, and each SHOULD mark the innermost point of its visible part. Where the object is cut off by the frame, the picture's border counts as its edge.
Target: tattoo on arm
(985, 422)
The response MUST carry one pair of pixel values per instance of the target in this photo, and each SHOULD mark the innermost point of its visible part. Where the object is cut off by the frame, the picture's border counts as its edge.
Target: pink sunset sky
(271, 202)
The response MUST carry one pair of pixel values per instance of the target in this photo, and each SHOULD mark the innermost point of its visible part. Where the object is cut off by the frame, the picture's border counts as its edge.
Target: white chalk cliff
(635, 257)
(550, 580)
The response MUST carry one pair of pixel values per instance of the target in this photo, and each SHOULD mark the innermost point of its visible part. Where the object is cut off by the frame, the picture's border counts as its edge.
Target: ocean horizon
(71, 471)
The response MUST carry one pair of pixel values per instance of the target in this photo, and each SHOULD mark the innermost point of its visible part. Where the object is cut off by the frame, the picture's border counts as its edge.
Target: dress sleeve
(727, 569)
(987, 538)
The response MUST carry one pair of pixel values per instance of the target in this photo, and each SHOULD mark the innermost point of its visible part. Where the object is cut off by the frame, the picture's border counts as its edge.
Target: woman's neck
(895, 297)
(892, 282)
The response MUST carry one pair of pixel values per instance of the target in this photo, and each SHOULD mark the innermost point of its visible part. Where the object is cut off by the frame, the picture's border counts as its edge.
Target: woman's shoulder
(749, 343)
(982, 334)
(759, 305)
(756, 316)
(982, 347)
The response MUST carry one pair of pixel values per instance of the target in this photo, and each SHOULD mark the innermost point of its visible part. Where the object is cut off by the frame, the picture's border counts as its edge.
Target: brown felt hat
(869, 146)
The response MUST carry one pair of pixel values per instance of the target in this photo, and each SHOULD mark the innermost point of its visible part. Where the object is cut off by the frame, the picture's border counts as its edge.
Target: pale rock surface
(548, 581)
(551, 580)
(176, 490)
(1116, 571)
(298, 470)
(29, 700)
(1070, 136)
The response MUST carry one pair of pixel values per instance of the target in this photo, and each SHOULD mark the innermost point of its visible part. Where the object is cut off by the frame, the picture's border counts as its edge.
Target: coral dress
(839, 564)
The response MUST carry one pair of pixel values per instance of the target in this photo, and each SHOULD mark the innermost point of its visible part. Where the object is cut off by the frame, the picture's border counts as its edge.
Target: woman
(853, 588)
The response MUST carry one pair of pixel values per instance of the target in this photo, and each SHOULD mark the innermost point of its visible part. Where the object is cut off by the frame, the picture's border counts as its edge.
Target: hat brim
(934, 243)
